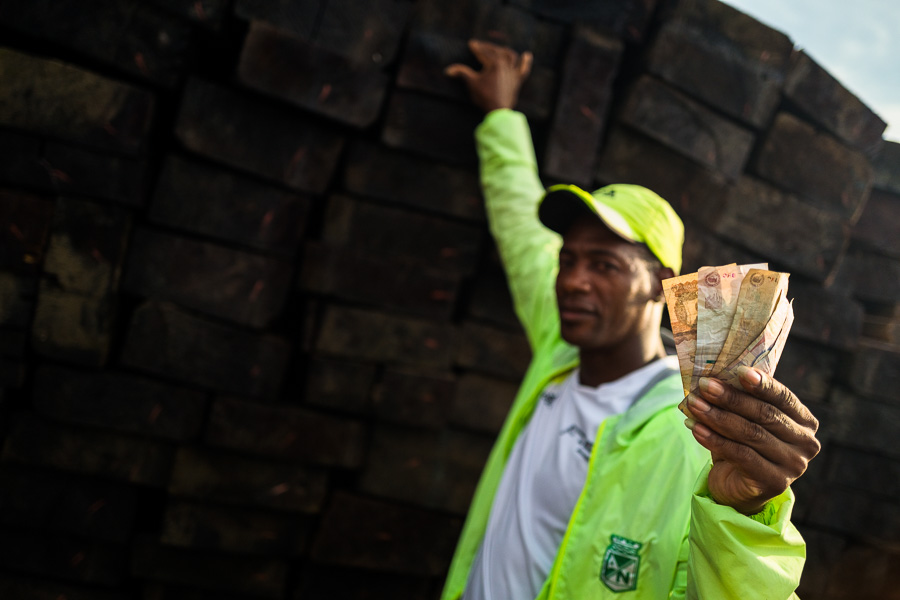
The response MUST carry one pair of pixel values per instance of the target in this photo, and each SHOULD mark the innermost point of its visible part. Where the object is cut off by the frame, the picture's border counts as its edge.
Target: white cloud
(891, 114)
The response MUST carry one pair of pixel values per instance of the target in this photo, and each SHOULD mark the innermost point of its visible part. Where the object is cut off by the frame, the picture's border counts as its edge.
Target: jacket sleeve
(512, 192)
(735, 556)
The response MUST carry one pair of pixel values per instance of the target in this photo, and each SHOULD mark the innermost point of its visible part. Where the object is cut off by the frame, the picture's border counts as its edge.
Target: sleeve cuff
(728, 549)
(504, 138)
(499, 114)
(776, 511)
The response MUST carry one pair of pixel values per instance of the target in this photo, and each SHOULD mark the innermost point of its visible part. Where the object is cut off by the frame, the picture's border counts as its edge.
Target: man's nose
(574, 279)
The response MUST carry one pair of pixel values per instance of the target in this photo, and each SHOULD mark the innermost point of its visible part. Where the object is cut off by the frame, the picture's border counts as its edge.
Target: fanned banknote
(763, 353)
(681, 298)
(765, 350)
(760, 292)
(761, 318)
(717, 300)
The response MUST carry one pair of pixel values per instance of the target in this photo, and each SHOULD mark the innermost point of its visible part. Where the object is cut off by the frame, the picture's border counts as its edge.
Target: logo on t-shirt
(583, 445)
(549, 397)
(620, 564)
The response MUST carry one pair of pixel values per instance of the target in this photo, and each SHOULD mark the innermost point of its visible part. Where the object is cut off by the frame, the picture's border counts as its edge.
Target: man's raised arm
(511, 186)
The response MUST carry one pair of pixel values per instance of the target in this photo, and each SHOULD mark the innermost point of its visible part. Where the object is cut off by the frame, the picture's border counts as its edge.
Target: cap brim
(563, 204)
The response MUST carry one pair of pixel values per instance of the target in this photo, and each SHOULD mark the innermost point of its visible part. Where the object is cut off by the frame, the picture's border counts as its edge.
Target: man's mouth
(574, 312)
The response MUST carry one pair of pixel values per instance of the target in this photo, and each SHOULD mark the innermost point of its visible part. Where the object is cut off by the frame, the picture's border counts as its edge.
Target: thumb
(525, 64)
(459, 70)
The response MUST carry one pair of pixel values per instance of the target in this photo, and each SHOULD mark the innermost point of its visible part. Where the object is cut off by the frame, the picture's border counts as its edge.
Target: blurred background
(254, 337)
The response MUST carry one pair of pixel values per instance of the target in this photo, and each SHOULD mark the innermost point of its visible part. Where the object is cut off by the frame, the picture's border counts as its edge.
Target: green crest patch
(620, 564)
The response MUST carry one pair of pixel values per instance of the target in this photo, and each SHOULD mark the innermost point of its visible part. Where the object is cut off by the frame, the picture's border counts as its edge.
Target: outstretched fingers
(460, 70)
(483, 51)
(496, 85)
(488, 53)
(491, 55)
(525, 62)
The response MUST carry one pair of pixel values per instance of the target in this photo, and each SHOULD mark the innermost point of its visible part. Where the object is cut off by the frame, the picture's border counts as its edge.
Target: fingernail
(700, 431)
(711, 387)
(689, 423)
(751, 376)
(697, 403)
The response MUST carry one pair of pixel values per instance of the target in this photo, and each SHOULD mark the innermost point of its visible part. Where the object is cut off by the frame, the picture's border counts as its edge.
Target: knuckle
(769, 415)
(730, 399)
(780, 483)
(796, 466)
(814, 423)
(722, 444)
(815, 446)
(777, 391)
(776, 481)
(753, 433)
(743, 453)
(772, 481)
(786, 397)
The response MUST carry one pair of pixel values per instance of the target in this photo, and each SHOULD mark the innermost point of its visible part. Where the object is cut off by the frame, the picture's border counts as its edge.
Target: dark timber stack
(254, 337)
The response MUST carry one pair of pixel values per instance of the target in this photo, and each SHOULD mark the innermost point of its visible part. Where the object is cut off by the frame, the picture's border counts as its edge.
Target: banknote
(717, 299)
(759, 295)
(681, 300)
(763, 353)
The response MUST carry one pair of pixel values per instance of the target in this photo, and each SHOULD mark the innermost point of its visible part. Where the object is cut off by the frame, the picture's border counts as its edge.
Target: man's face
(605, 288)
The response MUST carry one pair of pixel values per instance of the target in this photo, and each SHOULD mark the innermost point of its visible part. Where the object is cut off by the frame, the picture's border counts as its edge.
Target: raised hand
(498, 82)
(761, 440)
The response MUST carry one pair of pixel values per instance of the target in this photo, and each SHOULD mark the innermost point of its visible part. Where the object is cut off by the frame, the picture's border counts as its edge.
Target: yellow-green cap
(631, 211)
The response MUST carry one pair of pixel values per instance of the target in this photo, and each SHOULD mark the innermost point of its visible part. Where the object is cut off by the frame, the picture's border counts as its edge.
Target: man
(594, 488)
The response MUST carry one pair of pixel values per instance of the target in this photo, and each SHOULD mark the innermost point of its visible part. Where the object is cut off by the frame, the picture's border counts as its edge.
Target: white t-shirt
(542, 481)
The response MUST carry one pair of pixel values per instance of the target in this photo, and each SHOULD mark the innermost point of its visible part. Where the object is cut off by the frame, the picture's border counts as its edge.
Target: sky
(857, 41)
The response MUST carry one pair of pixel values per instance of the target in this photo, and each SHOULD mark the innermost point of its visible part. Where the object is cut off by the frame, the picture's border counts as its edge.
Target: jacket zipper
(562, 547)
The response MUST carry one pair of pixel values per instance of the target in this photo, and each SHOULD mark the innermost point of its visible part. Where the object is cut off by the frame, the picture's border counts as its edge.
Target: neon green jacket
(644, 521)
